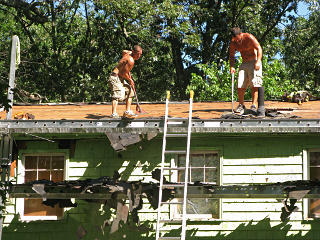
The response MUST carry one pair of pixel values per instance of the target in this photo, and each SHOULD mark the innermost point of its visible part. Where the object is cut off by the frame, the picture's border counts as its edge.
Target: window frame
(306, 176)
(174, 178)
(21, 178)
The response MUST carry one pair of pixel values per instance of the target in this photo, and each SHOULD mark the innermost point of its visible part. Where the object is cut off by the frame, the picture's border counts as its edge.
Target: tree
(301, 51)
(69, 48)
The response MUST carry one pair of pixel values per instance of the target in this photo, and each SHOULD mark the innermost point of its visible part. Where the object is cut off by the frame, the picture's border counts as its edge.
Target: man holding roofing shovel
(250, 70)
(121, 82)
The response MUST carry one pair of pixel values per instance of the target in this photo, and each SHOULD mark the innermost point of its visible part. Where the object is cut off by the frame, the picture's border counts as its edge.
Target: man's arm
(257, 47)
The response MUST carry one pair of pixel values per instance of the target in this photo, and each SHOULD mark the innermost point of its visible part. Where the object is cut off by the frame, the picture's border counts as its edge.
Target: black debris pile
(134, 191)
(269, 114)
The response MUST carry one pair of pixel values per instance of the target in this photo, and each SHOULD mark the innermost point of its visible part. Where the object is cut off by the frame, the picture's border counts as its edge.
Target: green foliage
(69, 49)
(301, 52)
(214, 84)
(276, 79)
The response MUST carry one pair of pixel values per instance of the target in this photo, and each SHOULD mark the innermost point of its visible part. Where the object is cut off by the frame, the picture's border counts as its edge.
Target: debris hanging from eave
(119, 141)
(134, 191)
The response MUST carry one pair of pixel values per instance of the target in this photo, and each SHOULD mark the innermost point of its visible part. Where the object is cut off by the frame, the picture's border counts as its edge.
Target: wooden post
(15, 60)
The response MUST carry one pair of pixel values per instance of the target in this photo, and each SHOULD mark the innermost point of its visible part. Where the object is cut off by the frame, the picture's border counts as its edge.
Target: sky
(303, 9)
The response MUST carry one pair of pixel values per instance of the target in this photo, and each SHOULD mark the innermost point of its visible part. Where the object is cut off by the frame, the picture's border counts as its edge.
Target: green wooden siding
(245, 160)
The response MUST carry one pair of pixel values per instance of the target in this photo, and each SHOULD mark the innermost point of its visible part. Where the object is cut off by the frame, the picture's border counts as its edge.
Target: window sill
(39, 218)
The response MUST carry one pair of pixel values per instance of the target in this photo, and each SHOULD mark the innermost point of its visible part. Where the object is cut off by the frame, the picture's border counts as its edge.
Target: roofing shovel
(138, 108)
(232, 89)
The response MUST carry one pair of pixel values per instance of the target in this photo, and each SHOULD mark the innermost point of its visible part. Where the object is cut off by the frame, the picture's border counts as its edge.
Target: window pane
(197, 160)
(30, 176)
(181, 176)
(58, 162)
(34, 207)
(44, 162)
(197, 175)
(315, 208)
(314, 173)
(57, 176)
(30, 162)
(182, 160)
(201, 206)
(210, 175)
(203, 168)
(211, 160)
(44, 175)
(314, 158)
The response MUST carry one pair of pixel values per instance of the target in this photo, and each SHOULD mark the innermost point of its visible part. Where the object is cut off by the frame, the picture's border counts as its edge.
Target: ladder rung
(177, 135)
(176, 151)
(170, 220)
(169, 238)
(172, 185)
(174, 168)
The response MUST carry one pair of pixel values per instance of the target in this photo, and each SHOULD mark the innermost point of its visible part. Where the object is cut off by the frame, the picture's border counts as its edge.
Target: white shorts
(248, 76)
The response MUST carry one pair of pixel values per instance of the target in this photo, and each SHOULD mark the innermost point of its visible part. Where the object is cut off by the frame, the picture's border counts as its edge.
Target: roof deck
(201, 110)
(95, 118)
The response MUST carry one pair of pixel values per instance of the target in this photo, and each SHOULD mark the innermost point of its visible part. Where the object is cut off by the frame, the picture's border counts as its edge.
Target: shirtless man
(121, 82)
(250, 70)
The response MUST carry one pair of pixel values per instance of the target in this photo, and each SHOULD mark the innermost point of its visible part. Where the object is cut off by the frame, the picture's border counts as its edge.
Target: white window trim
(20, 180)
(174, 178)
(306, 176)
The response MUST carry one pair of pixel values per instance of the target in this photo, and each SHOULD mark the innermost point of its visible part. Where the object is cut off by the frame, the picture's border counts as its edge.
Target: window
(314, 161)
(205, 168)
(41, 167)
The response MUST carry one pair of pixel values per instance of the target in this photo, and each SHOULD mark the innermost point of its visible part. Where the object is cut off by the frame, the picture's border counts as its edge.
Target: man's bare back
(124, 67)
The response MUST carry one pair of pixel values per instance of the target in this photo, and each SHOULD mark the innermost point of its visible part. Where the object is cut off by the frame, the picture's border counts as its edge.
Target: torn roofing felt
(272, 113)
(134, 191)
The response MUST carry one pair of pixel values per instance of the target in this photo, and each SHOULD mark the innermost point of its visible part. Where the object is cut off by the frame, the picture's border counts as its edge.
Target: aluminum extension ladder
(161, 222)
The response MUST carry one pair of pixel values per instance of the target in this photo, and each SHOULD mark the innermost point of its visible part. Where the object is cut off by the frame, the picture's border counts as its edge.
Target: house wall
(244, 160)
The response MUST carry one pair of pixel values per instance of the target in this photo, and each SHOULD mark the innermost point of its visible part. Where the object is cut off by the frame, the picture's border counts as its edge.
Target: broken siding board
(264, 178)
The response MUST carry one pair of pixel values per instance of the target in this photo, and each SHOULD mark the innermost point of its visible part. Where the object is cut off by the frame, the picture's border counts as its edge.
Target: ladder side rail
(186, 177)
(164, 142)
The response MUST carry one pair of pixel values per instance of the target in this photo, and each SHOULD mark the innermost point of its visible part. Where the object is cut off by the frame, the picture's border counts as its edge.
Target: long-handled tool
(138, 108)
(232, 89)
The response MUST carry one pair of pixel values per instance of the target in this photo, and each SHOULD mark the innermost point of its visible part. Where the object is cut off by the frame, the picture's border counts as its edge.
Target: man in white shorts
(250, 70)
